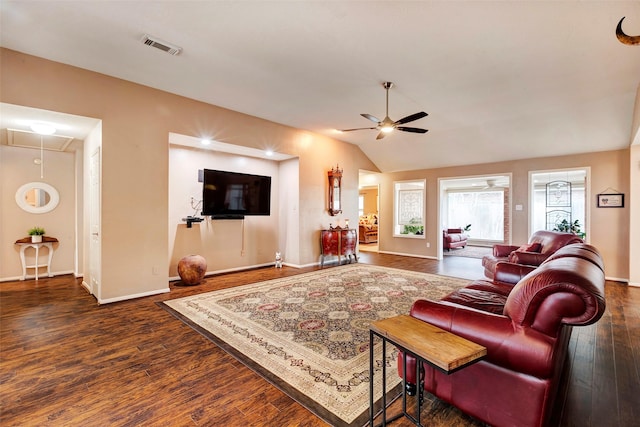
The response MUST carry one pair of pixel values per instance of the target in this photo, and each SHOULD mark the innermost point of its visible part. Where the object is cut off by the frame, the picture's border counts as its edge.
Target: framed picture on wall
(613, 200)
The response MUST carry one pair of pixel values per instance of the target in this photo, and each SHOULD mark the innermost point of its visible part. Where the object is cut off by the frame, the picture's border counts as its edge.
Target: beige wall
(136, 122)
(634, 210)
(370, 200)
(609, 227)
(17, 168)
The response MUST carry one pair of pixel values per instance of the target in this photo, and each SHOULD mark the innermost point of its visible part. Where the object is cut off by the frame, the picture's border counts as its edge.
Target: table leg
(384, 382)
(37, 258)
(418, 389)
(371, 368)
(23, 261)
(50, 248)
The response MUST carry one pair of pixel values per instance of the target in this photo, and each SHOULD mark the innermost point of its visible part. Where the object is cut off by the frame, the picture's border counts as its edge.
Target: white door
(94, 224)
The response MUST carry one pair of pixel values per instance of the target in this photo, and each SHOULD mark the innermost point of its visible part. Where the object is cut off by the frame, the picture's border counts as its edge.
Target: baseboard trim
(409, 255)
(133, 296)
(86, 286)
(230, 270)
(33, 276)
(617, 279)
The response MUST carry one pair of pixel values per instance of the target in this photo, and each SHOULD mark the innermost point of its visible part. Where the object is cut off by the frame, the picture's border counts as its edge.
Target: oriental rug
(308, 334)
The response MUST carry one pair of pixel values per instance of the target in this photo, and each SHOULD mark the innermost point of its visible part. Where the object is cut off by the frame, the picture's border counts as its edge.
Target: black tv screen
(232, 194)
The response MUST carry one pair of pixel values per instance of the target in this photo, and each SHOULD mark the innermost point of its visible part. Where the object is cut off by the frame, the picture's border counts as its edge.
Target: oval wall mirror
(37, 197)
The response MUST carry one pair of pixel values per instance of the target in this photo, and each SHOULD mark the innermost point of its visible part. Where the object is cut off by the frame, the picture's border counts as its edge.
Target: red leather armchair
(454, 238)
(526, 329)
(541, 245)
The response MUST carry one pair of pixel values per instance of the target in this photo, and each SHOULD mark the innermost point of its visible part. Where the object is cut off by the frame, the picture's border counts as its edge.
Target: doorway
(368, 211)
(62, 161)
(480, 206)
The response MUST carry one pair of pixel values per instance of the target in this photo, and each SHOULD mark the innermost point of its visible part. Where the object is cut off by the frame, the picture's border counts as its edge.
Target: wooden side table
(427, 343)
(25, 243)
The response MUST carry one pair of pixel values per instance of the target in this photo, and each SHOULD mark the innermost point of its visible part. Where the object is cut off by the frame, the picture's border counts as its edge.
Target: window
(409, 199)
(484, 210)
(360, 205)
(550, 206)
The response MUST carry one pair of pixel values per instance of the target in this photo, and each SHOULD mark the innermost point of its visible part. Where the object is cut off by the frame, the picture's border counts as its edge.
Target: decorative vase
(37, 238)
(191, 269)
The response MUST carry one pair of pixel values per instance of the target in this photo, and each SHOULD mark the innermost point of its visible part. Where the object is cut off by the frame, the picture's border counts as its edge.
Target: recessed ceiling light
(269, 153)
(205, 141)
(43, 128)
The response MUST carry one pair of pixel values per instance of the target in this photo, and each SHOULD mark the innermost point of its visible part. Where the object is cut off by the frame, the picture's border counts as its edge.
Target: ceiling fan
(387, 125)
(491, 183)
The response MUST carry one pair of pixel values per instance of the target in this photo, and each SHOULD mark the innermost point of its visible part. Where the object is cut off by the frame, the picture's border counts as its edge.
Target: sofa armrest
(528, 258)
(507, 345)
(502, 251)
(511, 273)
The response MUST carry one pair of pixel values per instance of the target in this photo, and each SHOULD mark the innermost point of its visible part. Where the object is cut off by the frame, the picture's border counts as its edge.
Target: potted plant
(36, 234)
(413, 227)
(570, 227)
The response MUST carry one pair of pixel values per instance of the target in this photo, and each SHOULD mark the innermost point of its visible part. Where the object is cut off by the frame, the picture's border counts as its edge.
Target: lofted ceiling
(501, 80)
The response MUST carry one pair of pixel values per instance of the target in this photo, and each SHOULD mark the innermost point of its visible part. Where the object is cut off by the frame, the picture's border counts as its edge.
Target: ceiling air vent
(162, 45)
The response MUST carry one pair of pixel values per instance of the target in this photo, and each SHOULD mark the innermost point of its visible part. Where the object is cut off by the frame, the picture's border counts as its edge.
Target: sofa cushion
(484, 300)
(531, 247)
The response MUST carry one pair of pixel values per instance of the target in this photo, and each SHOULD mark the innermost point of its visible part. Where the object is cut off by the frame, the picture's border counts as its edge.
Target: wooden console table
(25, 243)
(338, 241)
(427, 343)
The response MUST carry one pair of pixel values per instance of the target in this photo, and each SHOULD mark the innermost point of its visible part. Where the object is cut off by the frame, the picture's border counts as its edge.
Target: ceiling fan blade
(370, 117)
(381, 135)
(349, 130)
(411, 118)
(414, 130)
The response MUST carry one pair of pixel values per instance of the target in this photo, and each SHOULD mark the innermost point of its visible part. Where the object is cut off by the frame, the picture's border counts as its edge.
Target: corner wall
(609, 230)
(136, 122)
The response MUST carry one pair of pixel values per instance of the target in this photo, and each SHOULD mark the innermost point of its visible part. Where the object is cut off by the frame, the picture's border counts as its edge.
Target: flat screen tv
(234, 195)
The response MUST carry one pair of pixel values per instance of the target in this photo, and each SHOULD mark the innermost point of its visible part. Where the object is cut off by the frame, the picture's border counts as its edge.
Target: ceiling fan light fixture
(387, 125)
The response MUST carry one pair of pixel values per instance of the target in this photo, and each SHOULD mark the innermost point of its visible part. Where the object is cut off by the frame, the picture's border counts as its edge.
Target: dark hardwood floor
(66, 361)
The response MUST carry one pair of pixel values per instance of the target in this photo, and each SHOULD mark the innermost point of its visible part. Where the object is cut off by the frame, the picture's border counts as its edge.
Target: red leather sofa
(526, 329)
(454, 238)
(541, 245)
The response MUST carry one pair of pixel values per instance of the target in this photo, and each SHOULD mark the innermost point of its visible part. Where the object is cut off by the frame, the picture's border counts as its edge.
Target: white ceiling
(500, 80)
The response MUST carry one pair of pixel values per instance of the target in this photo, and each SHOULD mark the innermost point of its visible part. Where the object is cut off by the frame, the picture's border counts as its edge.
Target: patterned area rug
(309, 334)
(469, 252)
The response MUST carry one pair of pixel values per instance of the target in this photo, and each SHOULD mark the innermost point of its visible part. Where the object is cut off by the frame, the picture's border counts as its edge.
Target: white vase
(36, 238)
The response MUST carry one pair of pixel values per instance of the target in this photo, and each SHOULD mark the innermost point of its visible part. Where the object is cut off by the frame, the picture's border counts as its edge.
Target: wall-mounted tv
(234, 195)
